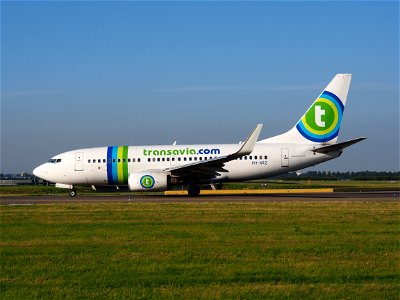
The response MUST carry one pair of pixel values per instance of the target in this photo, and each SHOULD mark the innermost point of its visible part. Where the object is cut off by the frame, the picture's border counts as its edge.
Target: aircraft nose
(39, 171)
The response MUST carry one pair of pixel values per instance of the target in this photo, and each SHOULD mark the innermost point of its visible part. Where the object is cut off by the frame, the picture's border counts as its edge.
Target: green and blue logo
(147, 181)
(321, 123)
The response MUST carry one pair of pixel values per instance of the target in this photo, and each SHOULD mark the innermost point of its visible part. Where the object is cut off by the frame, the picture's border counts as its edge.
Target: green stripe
(125, 164)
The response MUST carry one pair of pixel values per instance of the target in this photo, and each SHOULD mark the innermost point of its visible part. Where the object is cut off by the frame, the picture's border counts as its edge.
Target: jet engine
(148, 181)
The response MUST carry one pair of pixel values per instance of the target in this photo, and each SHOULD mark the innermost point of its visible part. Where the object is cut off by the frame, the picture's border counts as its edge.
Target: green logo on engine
(147, 181)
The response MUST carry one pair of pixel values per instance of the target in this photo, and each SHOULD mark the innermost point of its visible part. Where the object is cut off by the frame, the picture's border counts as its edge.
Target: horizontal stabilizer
(339, 146)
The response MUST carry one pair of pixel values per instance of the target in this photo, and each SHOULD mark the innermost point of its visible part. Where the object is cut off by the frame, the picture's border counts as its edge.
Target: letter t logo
(319, 112)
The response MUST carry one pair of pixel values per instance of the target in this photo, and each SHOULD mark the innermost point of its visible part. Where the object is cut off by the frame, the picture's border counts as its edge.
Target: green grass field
(319, 250)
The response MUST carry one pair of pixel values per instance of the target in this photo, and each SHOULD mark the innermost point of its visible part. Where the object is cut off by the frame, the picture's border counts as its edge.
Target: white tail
(321, 122)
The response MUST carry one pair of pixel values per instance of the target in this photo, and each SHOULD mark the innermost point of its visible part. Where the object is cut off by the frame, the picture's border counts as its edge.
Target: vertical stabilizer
(321, 122)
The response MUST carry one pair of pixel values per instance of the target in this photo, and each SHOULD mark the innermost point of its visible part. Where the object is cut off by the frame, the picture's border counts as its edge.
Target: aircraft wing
(338, 146)
(213, 167)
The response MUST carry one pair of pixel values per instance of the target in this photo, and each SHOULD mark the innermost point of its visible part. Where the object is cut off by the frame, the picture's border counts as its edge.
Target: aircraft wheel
(194, 191)
(72, 193)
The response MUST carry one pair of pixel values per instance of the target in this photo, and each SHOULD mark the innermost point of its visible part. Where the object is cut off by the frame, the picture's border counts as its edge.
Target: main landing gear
(194, 191)
(72, 193)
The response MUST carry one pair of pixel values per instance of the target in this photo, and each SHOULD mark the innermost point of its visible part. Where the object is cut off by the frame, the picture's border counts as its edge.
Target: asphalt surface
(337, 196)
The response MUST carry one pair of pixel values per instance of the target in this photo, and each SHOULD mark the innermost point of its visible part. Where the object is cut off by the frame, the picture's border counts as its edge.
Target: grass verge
(201, 250)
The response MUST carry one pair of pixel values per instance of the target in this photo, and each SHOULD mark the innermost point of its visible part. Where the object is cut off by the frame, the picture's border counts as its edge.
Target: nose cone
(40, 172)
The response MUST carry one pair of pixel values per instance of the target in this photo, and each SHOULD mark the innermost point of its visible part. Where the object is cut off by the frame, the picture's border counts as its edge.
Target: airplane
(311, 141)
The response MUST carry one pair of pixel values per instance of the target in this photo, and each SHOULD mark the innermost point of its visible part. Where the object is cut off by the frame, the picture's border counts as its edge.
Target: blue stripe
(115, 164)
(316, 138)
(332, 95)
(109, 165)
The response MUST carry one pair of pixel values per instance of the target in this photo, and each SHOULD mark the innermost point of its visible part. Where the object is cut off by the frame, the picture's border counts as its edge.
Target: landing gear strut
(72, 193)
(194, 191)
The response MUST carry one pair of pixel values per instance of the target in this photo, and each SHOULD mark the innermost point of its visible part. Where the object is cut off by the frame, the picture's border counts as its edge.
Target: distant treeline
(364, 175)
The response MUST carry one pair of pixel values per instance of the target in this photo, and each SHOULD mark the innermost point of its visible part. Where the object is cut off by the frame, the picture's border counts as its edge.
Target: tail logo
(321, 123)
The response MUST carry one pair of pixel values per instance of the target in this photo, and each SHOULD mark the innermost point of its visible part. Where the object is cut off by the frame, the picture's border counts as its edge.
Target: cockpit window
(55, 160)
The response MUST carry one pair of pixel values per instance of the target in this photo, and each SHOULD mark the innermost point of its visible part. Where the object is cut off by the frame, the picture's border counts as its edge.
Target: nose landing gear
(72, 193)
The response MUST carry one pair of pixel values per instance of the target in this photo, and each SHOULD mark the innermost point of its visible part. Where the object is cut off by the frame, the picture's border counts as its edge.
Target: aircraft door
(79, 161)
(285, 157)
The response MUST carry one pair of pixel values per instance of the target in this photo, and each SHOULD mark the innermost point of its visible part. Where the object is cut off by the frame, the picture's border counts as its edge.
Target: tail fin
(321, 122)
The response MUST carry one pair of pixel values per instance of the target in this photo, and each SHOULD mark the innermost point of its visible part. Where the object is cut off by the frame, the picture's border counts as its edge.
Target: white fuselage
(95, 166)
(312, 140)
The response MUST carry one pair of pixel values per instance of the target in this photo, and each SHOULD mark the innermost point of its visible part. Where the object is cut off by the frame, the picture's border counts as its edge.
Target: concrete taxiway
(338, 196)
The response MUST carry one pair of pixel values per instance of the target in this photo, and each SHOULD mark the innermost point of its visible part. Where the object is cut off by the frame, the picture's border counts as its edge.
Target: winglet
(248, 145)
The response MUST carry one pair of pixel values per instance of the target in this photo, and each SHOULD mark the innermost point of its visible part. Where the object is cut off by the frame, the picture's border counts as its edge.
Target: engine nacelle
(147, 181)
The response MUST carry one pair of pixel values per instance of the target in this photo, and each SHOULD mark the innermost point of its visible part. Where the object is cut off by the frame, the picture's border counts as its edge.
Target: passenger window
(133, 160)
(173, 159)
(190, 158)
(149, 159)
(167, 158)
(184, 158)
(200, 158)
(104, 160)
(99, 160)
(129, 160)
(119, 160)
(123, 160)
(138, 160)
(113, 160)
(179, 159)
(250, 157)
(163, 159)
(158, 159)
(255, 156)
(245, 157)
(154, 159)
(265, 157)
(88, 161)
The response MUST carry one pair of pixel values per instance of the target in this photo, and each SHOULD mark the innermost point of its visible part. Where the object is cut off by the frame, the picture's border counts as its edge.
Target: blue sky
(85, 74)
